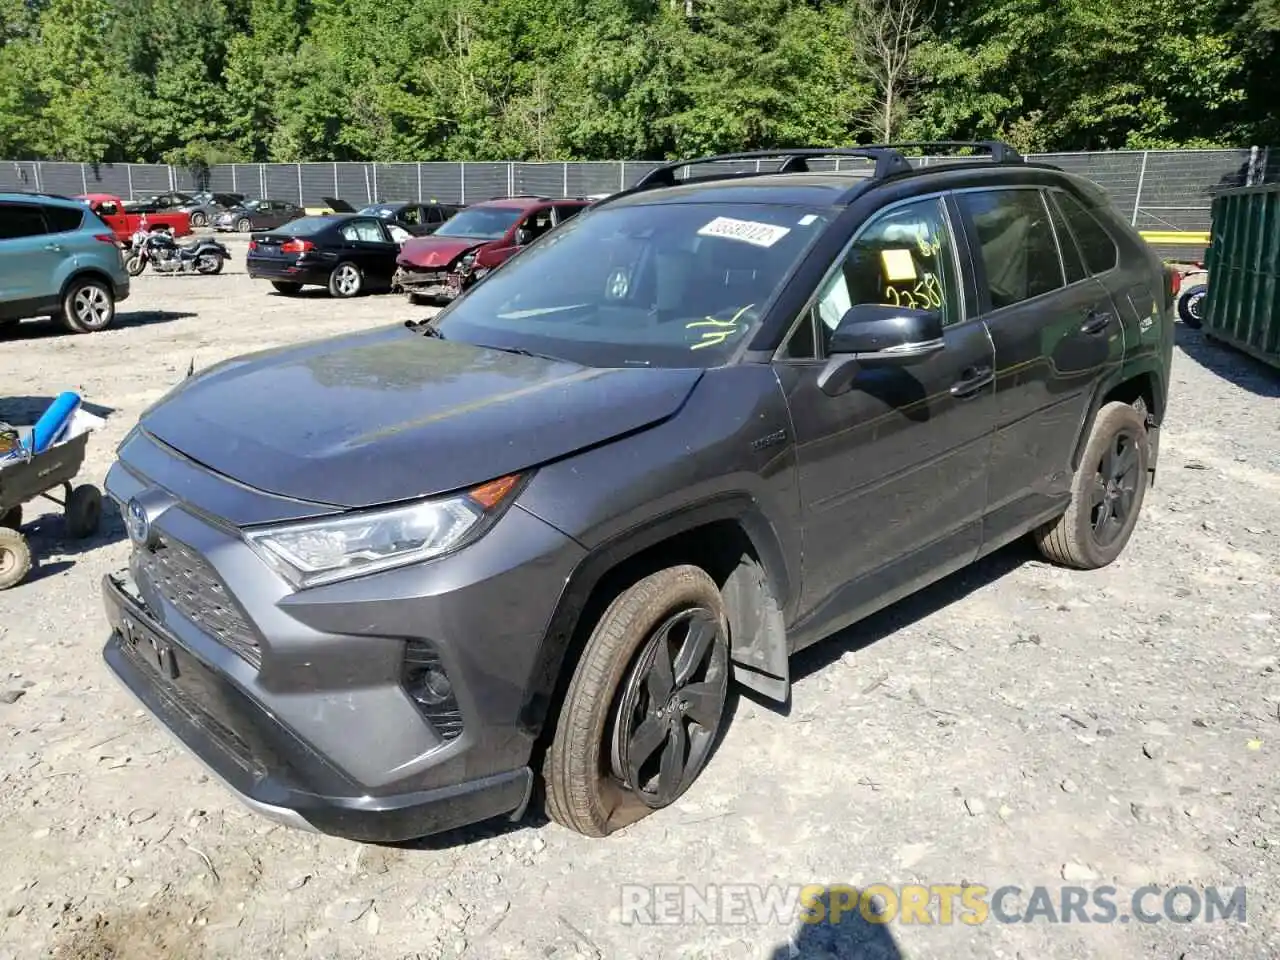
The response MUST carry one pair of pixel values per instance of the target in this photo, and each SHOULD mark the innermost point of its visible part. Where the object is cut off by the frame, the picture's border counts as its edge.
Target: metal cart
(27, 477)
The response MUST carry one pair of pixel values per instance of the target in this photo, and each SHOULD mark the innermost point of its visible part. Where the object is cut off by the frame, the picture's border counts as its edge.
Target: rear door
(1055, 332)
(29, 259)
(369, 244)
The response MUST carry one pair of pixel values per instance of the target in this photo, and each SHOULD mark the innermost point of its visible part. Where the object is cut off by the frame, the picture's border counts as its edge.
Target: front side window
(672, 285)
(481, 223)
(535, 225)
(18, 220)
(904, 257)
(1015, 242)
(1095, 243)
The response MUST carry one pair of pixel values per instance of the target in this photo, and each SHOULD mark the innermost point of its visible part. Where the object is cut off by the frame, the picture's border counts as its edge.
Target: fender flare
(1149, 369)
(546, 676)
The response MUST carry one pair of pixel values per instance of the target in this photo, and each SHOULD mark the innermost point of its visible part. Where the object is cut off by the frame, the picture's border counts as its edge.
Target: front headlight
(338, 548)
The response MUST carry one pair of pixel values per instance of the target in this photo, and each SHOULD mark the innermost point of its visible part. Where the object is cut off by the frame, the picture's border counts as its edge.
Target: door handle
(975, 379)
(55, 247)
(1096, 323)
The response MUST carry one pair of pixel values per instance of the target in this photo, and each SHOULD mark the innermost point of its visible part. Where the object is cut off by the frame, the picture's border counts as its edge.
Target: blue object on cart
(53, 423)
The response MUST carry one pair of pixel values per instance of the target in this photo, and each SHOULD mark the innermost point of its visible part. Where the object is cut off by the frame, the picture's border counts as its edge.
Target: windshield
(673, 285)
(255, 205)
(482, 223)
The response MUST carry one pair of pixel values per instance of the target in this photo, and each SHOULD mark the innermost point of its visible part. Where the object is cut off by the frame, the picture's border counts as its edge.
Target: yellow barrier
(1178, 237)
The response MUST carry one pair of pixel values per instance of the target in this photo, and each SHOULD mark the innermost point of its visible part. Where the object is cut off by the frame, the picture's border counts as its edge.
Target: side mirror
(879, 335)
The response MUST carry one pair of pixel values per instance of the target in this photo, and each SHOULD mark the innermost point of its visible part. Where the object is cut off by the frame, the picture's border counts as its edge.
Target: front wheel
(1191, 305)
(346, 280)
(645, 705)
(1106, 493)
(88, 306)
(198, 219)
(209, 264)
(135, 265)
(83, 512)
(244, 225)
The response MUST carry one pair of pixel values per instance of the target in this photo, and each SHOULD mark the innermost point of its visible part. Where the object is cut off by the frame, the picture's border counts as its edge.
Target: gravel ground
(1015, 724)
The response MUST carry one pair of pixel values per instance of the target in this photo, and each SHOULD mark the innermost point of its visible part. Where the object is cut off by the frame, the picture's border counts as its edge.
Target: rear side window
(19, 220)
(367, 231)
(1071, 260)
(63, 219)
(1015, 242)
(1100, 254)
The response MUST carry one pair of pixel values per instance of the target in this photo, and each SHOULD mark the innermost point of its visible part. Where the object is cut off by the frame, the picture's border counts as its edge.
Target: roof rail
(1000, 151)
(888, 162)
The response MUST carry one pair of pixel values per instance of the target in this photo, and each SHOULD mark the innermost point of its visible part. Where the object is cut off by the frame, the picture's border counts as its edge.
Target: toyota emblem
(137, 523)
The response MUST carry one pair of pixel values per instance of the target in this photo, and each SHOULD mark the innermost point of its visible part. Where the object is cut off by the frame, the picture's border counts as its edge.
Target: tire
(198, 219)
(346, 280)
(1089, 535)
(1191, 305)
(12, 518)
(608, 704)
(83, 512)
(209, 264)
(244, 225)
(288, 289)
(135, 265)
(88, 306)
(15, 558)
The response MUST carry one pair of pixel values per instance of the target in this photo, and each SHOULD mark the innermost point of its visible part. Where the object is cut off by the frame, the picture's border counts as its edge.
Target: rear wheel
(1107, 493)
(198, 219)
(346, 280)
(209, 264)
(12, 518)
(288, 289)
(15, 558)
(645, 705)
(88, 306)
(1191, 305)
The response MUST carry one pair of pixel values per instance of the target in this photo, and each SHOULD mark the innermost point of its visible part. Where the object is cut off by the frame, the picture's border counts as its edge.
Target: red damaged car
(474, 241)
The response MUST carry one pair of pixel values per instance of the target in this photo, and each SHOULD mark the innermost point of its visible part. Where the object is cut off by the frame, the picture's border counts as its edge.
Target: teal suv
(58, 259)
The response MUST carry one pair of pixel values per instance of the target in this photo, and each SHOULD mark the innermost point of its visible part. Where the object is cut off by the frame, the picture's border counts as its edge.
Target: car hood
(436, 251)
(391, 414)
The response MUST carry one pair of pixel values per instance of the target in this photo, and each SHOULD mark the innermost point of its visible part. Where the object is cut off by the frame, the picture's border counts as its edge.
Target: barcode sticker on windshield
(748, 231)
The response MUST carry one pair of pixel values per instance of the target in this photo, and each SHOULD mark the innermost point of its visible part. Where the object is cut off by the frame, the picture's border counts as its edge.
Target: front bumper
(300, 700)
(433, 284)
(272, 771)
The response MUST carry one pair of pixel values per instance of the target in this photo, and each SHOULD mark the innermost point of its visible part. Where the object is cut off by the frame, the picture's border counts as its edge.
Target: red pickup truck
(110, 210)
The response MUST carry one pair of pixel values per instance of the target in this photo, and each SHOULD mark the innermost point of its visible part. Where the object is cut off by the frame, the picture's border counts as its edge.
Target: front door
(893, 472)
(1056, 334)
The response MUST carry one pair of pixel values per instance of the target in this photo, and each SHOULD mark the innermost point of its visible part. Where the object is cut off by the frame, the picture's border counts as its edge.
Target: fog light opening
(430, 687)
(425, 681)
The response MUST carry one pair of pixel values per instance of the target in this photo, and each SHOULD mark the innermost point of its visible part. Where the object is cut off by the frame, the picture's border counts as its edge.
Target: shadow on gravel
(40, 328)
(24, 411)
(913, 608)
(1228, 363)
(44, 527)
(849, 936)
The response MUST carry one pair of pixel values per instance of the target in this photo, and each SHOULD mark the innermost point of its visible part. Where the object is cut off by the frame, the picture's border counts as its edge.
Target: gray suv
(390, 583)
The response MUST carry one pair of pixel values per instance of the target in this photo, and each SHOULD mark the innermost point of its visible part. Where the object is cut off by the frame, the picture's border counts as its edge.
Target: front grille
(187, 582)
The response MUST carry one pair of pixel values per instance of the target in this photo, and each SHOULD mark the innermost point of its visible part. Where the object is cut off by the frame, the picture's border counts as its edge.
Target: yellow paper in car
(898, 265)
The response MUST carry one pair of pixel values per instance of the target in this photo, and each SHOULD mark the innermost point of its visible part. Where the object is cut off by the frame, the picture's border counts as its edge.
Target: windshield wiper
(426, 328)
(519, 352)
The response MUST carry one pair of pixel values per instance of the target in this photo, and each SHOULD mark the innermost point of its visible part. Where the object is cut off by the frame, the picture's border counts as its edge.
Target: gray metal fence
(1157, 190)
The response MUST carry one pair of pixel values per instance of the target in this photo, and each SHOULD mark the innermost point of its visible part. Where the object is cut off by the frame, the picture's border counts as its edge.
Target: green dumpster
(1242, 307)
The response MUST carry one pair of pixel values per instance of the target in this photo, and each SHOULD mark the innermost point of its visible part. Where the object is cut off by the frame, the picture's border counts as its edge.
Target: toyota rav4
(531, 542)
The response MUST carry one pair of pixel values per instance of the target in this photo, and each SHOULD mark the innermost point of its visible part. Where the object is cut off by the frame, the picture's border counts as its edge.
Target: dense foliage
(215, 80)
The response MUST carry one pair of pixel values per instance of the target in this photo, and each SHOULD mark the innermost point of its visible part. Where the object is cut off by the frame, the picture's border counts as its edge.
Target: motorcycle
(166, 255)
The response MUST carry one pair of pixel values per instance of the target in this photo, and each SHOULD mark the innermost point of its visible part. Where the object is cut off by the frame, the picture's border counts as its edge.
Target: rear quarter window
(1096, 244)
(63, 219)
